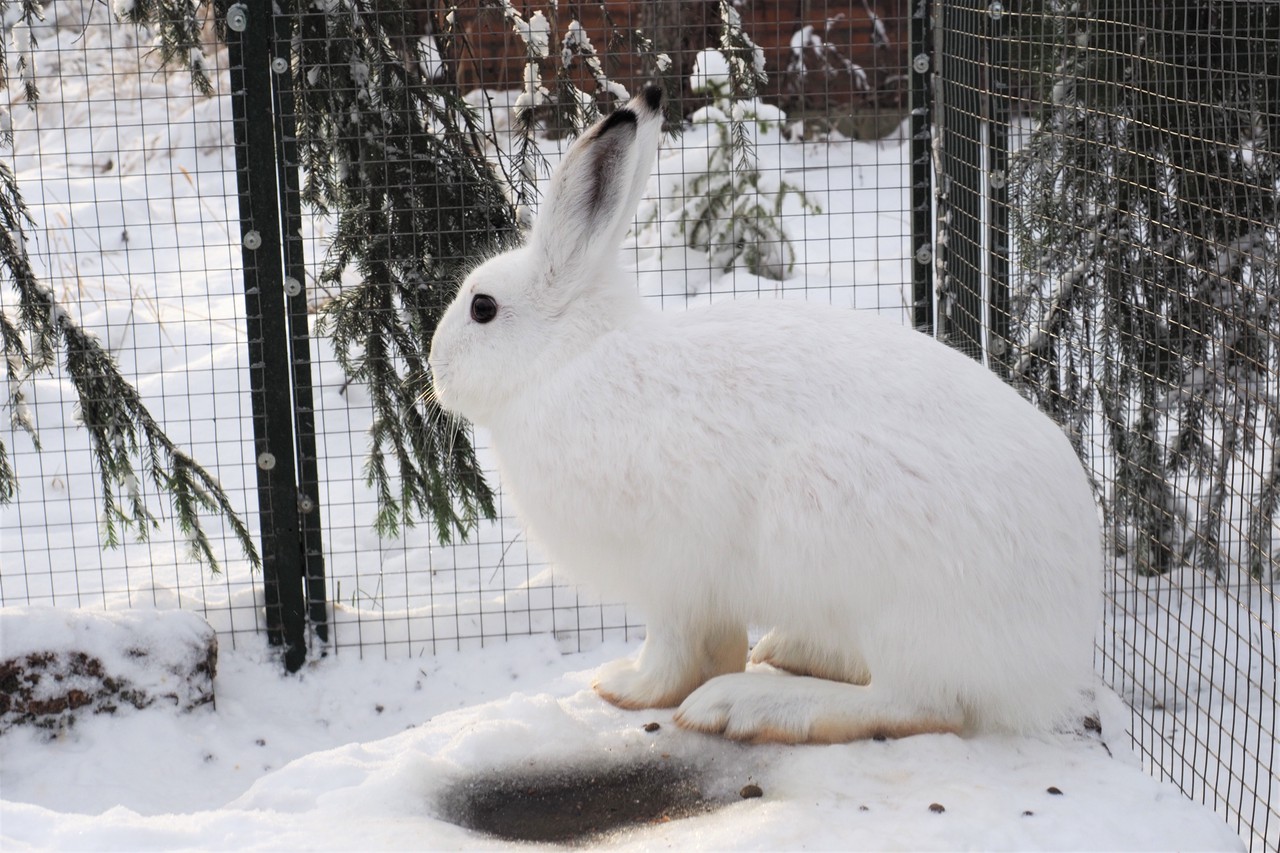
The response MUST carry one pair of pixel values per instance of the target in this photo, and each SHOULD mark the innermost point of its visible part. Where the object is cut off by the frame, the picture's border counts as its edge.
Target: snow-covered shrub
(715, 198)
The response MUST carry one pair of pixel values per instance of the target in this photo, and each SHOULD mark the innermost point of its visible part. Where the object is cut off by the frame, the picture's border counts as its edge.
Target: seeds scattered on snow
(750, 792)
(937, 808)
(651, 727)
(1055, 790)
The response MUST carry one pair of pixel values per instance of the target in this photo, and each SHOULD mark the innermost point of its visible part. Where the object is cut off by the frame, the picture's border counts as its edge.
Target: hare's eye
(483, 308)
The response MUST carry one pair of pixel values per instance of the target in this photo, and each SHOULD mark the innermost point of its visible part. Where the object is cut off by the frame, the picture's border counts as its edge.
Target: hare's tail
(780, 708)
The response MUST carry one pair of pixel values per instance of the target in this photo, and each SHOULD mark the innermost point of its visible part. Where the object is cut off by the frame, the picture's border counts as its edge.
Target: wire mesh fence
(829, 139)
(126, 172)
(805, 156)
(1083, 198)
(1135, 223)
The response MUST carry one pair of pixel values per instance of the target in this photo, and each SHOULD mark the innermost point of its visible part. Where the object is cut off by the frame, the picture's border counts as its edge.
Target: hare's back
(856, 392)
(824, 365)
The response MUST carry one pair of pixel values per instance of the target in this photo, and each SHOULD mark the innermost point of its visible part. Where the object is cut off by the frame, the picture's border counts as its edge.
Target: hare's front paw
(671, 665)
(627, 684)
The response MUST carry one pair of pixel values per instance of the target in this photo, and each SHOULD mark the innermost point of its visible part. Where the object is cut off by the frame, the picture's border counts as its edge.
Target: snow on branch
(827, 59)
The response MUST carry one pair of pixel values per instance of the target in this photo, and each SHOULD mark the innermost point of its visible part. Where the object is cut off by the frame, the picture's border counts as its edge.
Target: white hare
(922, 541)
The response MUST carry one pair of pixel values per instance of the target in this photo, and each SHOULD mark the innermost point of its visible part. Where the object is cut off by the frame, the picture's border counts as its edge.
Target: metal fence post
(922, 78)
(959, 114)
(278, 354)
(999, 240)
(290, 201)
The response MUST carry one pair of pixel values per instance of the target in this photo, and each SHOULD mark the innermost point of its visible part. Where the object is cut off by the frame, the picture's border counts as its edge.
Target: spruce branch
(746, 76)
(29, 341)
(20, 25)
(398, 158)
(746, 59)
(178, 27)
(122, 429)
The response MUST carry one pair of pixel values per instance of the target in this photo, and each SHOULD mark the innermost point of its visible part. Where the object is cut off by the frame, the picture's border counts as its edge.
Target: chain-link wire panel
(1138, 219)
(127, 171)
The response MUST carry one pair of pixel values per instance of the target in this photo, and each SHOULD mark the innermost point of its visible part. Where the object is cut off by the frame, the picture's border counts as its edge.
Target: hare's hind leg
(798, 655)
(674, 660)
(771, 707)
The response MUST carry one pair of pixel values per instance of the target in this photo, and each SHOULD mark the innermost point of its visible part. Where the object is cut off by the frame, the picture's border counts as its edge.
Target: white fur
(885, 504)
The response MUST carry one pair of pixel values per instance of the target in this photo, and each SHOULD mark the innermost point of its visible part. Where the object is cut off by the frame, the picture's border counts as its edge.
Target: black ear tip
(617, 118)
(653, 97)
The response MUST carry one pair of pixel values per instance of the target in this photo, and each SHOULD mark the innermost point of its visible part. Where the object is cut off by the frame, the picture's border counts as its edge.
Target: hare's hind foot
(671, 665)
(792, 653)
(775, 708)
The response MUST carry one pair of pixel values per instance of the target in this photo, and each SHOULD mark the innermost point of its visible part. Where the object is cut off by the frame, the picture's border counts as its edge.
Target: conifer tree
(422, 186)
(1146, 206)
(721, 202)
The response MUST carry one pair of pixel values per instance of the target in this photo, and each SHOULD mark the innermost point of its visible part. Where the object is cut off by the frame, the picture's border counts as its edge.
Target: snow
(710, 71)
(365, 754)
(536, 32)
(429, 60)
(32, 630)
(356, 751)
(534, 94)
(575, 40)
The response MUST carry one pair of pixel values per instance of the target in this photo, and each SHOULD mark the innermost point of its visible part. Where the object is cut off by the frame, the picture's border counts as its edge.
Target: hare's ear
(595, 190)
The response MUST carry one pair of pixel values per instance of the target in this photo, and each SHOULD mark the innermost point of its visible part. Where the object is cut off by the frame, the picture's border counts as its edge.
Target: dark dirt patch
(572, 804)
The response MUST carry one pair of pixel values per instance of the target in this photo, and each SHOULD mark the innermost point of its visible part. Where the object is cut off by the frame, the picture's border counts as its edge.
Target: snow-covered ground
(372, 754)
(131, 180)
